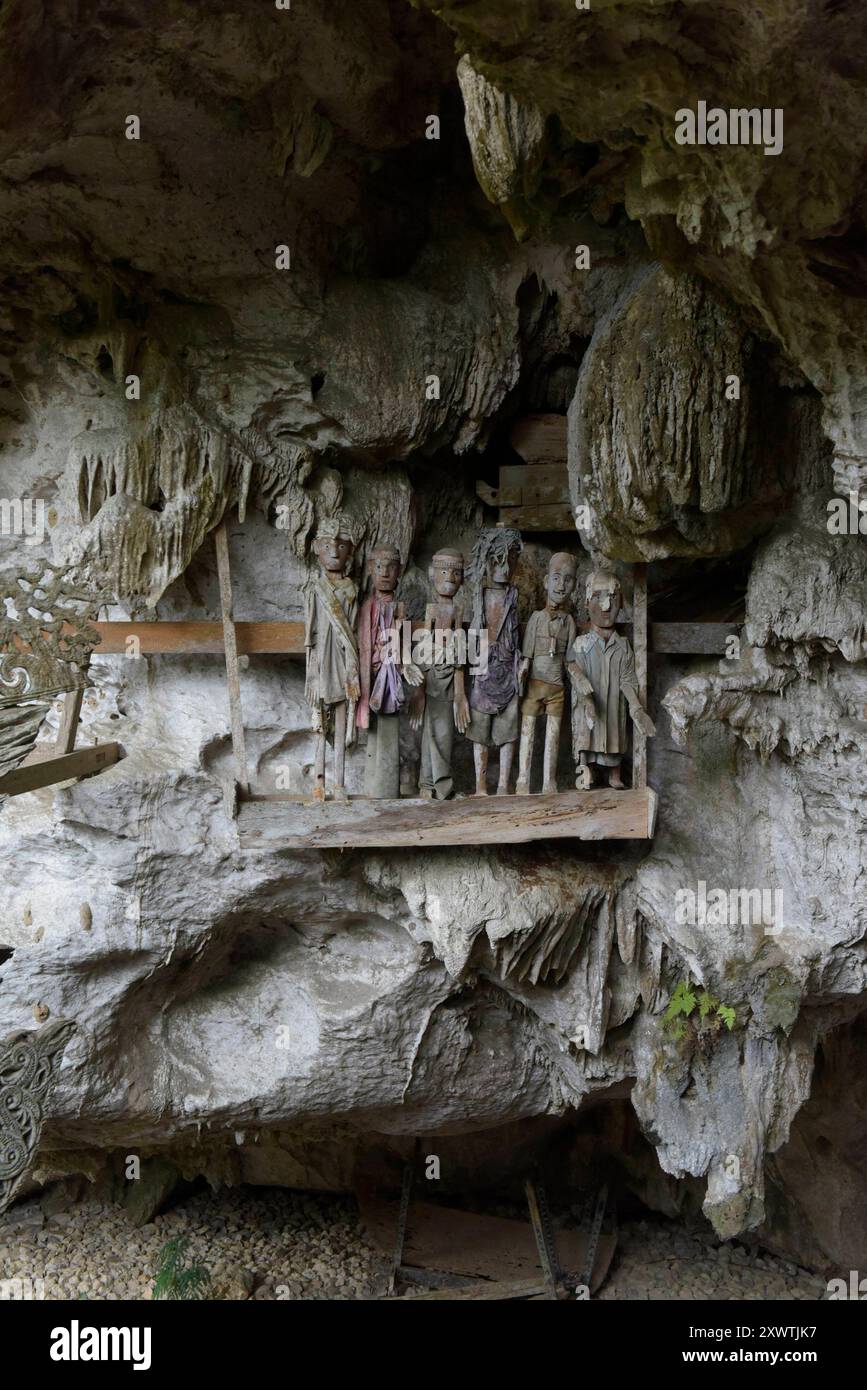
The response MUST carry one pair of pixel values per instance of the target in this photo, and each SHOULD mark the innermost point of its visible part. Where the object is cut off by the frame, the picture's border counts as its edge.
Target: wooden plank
(488, 494)
(692, 639)
(233, 679)
(539, 517)
(159, 638)
(477, 1245)
(31, 776)
(68, 730)
(547, 485)
(540, 438)
(639, 647)
(281, 822)
(287, 638)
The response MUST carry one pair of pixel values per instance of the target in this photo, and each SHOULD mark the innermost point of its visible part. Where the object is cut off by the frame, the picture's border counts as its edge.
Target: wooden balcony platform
(284, 822)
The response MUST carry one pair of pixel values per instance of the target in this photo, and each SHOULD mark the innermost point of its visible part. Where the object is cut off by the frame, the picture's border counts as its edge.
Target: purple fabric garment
(491, 692)
(386, 694)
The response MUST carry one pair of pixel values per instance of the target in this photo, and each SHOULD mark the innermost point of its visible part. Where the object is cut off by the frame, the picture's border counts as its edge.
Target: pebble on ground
(277, 1244)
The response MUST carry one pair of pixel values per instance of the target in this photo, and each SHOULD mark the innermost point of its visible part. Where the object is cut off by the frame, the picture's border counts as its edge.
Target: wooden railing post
(221, 540)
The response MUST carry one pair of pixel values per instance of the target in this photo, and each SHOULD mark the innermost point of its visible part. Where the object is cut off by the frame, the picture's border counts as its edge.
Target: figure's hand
(462, 714)
(353, 690)
(416, 708)
(412, 674)
(589, 711)
(643, 721)
(522, 673)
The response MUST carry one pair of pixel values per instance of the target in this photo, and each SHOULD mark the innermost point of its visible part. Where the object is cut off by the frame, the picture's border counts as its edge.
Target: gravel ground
(272, 1243)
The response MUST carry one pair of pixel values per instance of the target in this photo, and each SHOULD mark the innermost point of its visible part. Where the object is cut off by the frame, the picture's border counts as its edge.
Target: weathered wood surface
(287, 639)
(68, 731)
(476, 1245)
(31, 776)
(538, 516)
(280, 822)
(639, 647)
(233, 679)
(521, 485)
(540, 439)
(158, 638)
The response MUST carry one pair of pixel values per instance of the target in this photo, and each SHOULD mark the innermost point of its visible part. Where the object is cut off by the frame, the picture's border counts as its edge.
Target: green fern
(677, 1021)
(176, 1280)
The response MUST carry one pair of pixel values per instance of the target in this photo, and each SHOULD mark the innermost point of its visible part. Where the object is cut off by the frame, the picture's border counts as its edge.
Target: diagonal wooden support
(233, 680)
(68, 731)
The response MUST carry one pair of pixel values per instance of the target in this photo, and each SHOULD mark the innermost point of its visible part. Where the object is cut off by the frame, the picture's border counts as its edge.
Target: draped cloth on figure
(382, 694)
(494, 692)
(332, 656)
(438, 726)
(381, 685)
(605, 670)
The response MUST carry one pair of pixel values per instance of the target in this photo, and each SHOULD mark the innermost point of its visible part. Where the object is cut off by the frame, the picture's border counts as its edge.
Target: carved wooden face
(334, 553)
(385, 570)
(603, 605)
(560, 582)
(447, 574)
(501, 567)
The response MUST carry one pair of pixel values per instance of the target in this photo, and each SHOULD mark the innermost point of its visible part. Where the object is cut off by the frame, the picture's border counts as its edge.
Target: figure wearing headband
(382, 692)
(548, 637)
(332, 686)
(602, 669)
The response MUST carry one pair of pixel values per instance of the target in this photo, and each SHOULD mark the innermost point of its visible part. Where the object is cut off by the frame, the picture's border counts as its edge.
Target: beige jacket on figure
(607, 672)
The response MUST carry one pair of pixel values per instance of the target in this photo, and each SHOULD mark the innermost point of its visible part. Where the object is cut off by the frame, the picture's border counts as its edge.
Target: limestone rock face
(673, 444)
(507, 141)
(780, 232)
(257, 1016)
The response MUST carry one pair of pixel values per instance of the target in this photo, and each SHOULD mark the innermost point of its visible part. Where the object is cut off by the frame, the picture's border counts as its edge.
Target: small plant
(177, 1280)
(696, 1014)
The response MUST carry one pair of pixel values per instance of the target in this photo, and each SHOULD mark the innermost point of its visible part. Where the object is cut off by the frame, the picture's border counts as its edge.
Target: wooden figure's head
(561, 577)
(334, 546)
(604, 598)
(384, 568)
(447, 572)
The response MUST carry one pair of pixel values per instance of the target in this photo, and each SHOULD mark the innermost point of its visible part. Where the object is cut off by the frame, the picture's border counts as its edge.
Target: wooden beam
(639, 647)
(159, 638)
(282, 822)
(68, 730)
(287, 638)
(540, 439)
(539, 516)
(233, 679)
(31, 776)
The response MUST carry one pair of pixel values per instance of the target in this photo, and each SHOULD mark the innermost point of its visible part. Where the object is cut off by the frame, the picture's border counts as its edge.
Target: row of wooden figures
(359, 668)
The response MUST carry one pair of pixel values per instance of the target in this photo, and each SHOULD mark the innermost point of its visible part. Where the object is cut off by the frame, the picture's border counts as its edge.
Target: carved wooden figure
(382, 673)
(602, 669)
(494, 691)
(547, 639)
(332, 689)
(440, 706)
(29, 1067)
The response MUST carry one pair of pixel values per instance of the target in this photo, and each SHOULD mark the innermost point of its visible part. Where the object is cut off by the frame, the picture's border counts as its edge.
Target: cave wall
(269, 995)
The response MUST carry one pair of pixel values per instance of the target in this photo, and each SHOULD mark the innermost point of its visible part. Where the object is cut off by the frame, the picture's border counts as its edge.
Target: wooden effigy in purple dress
(382, 692)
